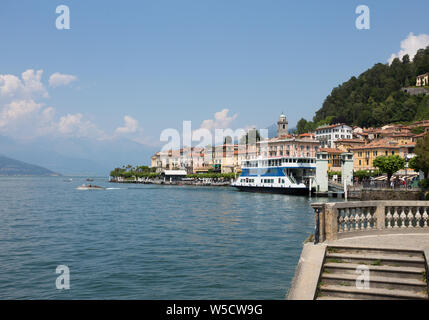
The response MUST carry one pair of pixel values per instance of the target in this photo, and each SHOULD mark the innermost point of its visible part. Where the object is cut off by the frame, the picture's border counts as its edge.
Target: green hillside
(12, 167)
(375, 97)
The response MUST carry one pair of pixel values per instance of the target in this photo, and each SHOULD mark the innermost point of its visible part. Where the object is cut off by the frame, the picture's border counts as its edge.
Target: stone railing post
(380, 215)
(319, 232)
(331, 221)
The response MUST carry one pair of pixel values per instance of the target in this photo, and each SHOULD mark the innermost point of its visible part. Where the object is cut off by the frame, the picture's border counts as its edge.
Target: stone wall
(415, 91)
(389, 194)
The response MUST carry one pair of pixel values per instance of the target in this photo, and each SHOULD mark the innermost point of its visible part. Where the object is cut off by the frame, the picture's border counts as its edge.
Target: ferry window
(283, 181)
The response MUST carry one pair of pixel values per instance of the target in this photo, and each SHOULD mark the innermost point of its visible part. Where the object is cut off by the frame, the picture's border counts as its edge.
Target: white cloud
(131, 126)
(19, 108)
(30, 85)
(75, 125)
(58, 79)
(221, 120)
(23, 115)
(410, 46)
(19, 117)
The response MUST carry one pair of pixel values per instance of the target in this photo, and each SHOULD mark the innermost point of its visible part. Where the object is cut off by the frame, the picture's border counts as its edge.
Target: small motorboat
(90, 187)
(89, 179)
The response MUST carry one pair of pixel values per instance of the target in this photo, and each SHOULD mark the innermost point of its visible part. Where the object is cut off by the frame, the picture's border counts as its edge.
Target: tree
(421, 161)
(389, 164)
(375, 97)
(301, 126)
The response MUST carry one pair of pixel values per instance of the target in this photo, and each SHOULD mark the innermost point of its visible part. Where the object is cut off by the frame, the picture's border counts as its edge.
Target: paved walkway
(417, 241)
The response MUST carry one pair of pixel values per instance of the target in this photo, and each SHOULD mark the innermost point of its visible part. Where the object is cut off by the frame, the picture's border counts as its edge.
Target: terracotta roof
(380, 143)
(331, 126)
(330, 150)
(420, 135)
(350, 140)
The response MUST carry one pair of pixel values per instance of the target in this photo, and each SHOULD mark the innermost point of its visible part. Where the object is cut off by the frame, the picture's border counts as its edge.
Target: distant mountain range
(77, 157)
(12, 167)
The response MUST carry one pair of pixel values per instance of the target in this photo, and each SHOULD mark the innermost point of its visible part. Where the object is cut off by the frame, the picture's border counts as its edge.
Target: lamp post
(406, 163)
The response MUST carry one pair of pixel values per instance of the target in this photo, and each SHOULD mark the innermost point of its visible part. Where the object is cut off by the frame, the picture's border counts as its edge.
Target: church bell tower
(282, 126)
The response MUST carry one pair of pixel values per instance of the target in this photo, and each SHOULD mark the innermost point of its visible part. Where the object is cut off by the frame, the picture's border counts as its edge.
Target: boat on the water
(287, 175)
(89, 179)
(90, 187)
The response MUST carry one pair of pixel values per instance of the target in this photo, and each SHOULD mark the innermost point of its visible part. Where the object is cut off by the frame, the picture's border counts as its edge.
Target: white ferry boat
(289, 175)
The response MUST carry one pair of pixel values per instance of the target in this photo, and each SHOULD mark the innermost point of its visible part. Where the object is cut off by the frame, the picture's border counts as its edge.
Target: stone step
(382, 271)
(371, 293)
(390, 283)
(366, 250)
(376, 259)
(334, 298)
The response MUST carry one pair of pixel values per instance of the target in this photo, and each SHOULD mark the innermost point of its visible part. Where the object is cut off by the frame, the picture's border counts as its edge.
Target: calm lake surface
(147, 241)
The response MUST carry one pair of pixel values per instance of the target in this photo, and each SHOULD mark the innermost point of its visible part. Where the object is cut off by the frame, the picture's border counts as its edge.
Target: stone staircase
(393, 274)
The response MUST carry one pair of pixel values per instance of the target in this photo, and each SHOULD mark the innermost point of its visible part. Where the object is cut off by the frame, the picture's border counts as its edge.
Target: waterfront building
(287, 146)
(226, 158)
(346, 144)
(173, 175)
(364, 155)
(334, 158)
(328, 134)
(186, 159)
(307, 135)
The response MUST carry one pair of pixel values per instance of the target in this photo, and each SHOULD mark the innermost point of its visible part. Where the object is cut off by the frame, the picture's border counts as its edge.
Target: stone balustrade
(338, 220)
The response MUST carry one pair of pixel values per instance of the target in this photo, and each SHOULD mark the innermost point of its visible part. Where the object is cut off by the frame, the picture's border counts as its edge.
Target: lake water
(147, 241)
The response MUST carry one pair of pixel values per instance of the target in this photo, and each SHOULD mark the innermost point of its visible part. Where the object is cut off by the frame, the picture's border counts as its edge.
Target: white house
(330, 133)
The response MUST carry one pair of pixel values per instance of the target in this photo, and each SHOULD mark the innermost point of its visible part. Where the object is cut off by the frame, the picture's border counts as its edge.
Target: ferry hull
(296, 191)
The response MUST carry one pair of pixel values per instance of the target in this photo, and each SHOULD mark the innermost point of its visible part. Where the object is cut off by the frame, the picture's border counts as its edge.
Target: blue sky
(161, 62)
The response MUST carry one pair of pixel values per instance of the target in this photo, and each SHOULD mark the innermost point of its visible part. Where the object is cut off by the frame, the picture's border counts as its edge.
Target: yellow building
(363, 156)
(422, 80)
(347, 144)
(334, 157)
